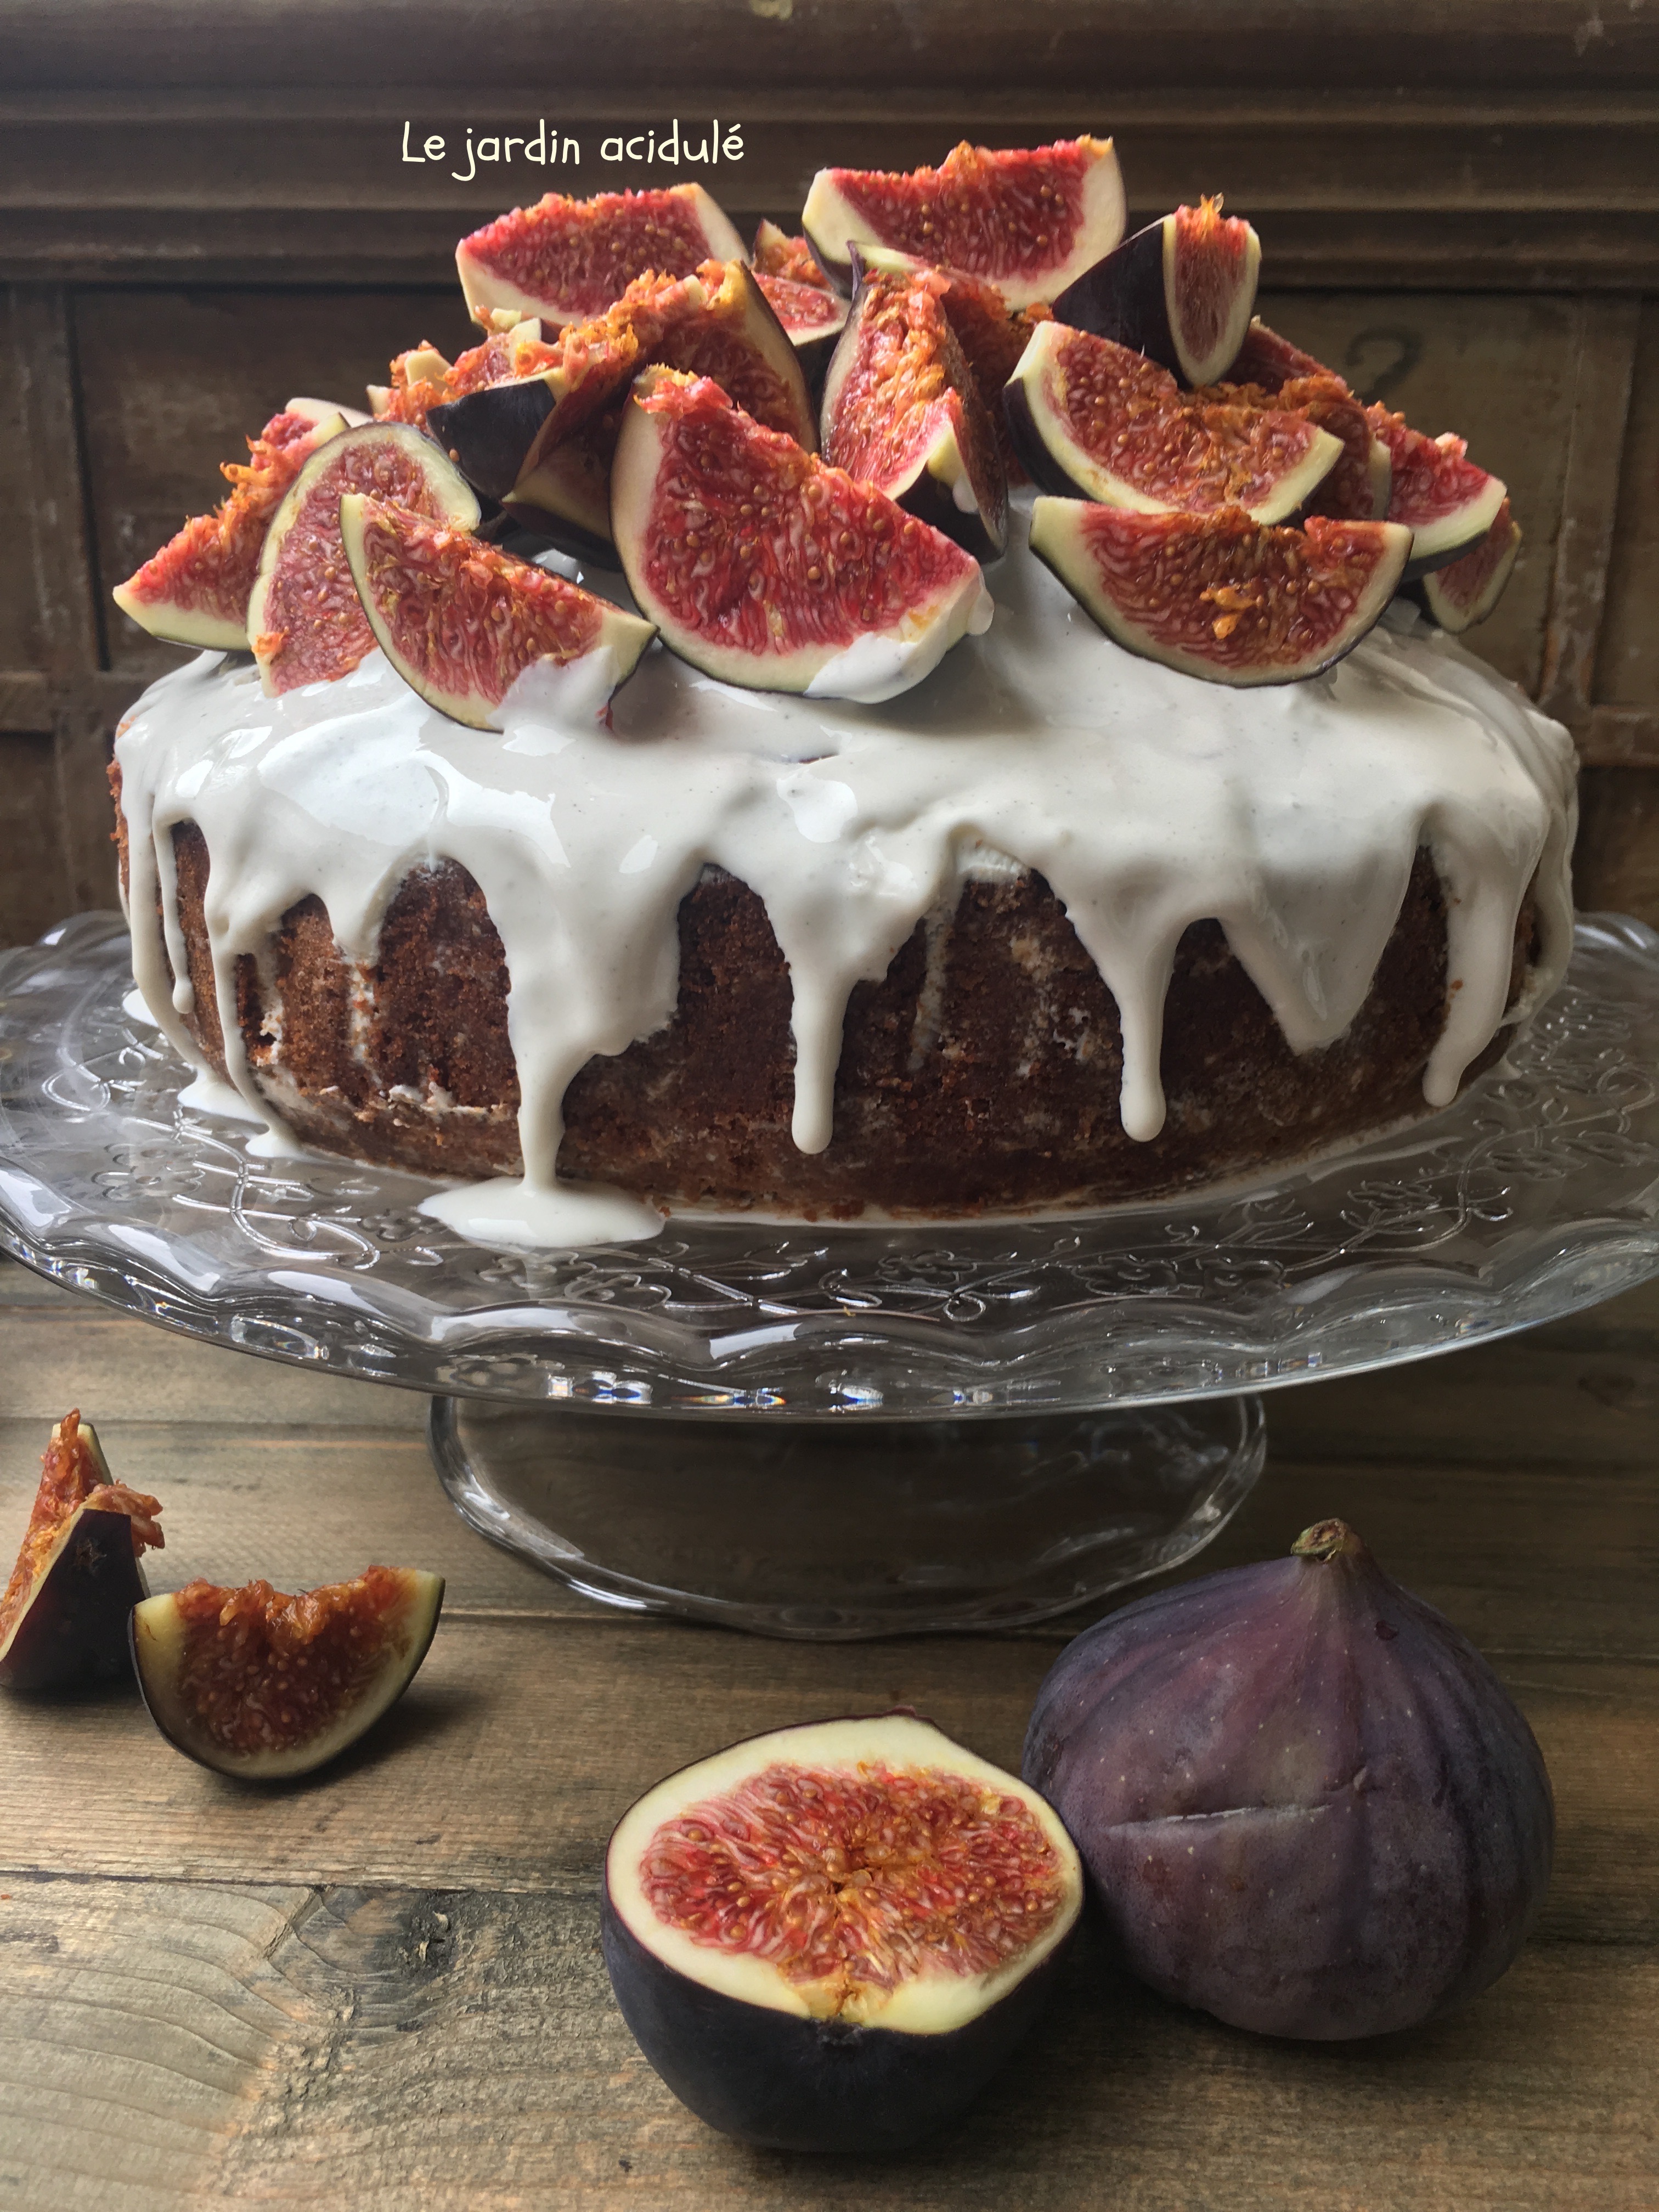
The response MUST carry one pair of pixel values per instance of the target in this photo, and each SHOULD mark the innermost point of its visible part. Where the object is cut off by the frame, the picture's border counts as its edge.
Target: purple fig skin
(1306, 1802)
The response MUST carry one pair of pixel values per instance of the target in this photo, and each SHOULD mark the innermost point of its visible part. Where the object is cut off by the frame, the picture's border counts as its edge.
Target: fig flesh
(829, 1938)
(1032, 219)
(901, 411)
(64, 1615)
(764, 567)
(1219, 596)
(305, 619)
(1464, 592)
(564, 260)
(195, 590)
(776, 252)
(266, 1686)
(716, 323)
(1181, 291)
(461, 622)
(1446, 502)
(1306, 1802)
(1093, 419)
(810, 310)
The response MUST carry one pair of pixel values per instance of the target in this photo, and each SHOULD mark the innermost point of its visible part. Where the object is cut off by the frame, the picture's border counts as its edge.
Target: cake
(813, 958)
(1059, 926)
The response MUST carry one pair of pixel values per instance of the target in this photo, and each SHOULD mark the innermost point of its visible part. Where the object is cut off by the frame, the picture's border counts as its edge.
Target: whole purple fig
(1307, 1803)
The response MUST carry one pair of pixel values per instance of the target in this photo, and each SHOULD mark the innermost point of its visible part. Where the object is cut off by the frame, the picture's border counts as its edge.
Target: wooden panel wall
(1480, 250)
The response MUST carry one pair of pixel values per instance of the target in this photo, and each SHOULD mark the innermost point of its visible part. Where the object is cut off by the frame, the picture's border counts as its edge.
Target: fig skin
(1306, 1802)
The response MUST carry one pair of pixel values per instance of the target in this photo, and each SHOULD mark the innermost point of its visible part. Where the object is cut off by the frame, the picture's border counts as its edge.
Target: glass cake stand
(829, 1430)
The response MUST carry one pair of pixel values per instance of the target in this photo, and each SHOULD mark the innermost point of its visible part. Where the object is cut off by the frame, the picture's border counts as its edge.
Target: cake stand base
(831, 1530)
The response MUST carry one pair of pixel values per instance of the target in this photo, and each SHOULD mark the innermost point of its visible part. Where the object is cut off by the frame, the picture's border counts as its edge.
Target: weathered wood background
(204, 208)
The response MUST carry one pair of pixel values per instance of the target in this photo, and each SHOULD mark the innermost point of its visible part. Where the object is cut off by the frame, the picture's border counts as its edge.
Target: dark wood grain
(382, 1987)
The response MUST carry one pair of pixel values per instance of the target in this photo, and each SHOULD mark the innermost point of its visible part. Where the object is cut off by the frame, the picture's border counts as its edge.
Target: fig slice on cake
(564, 260)
(462, 622)
(195, 590)
(902, 410)
(1447, 502)
(263, 1684)
(64, 1614)
(1220, 597)
(1029, 219)
(306, 621)
(1095, 419)
(716, 322)
(829, 1938)
(1180, 291)
(764, 567)
(1461, 594)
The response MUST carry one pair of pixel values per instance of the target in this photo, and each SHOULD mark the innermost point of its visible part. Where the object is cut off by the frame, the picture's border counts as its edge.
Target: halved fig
(1029, 219)
(1180, 291)
(900, 410)
(1447, 504)
(716, 323)
(1357, 488)
(305, 619)
(829, 1937)
(1464, 592)
(777, 253)
(812, 315)
(461, 621)
(1093, 417)
(195, 590)
(1265, 359)
(565, 496)
(764, 567)
(264, 1685)
(422, 380)
(1219, 596)
(992, 335)
(565, 260)
(64, 1616)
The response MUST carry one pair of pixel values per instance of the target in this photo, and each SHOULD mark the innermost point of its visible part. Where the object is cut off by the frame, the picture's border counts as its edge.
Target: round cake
(1060, 927)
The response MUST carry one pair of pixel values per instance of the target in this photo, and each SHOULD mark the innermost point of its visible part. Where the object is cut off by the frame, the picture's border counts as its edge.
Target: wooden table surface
(383, 1988)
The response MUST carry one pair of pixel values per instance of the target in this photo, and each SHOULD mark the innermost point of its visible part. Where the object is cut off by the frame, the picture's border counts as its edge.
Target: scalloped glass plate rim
(1536, 1194)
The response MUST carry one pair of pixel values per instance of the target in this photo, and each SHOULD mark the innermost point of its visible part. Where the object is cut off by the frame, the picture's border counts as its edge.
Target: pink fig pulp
(1307, 1803)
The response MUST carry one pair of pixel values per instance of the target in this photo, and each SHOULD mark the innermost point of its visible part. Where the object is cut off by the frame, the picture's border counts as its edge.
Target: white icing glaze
(1147, 800)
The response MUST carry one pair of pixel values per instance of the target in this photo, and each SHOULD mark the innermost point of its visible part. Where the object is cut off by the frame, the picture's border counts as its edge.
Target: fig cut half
(304, 620)
(564, 260)
(1181, 291)
(1031, 219)
(264, 1685)
(462, 622)
(828, 1938)
(766, 567)
(1219, 597)
(64, 1614)
(901, 411)
(1096, 420)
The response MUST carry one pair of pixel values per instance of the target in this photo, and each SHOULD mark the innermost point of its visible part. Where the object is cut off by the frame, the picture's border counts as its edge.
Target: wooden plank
(1589, 499)
(386, 2048)
(71, 644)
(1489, 189)
(521, 1742)
(1616, 863)
(1619, 736)
(21, 641)
(31, 898)
(1627, 665)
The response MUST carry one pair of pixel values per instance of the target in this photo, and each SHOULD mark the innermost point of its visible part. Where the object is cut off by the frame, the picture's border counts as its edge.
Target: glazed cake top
(1149, 800)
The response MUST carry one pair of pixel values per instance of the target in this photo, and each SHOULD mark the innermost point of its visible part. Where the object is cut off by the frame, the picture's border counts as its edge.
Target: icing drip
(1148, 800)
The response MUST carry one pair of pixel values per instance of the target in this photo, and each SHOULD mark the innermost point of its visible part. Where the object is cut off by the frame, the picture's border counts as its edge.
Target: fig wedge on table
(64, 1615)
(263, 1685)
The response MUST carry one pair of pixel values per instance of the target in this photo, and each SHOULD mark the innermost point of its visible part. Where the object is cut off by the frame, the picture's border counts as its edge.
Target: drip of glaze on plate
(1148, 800)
